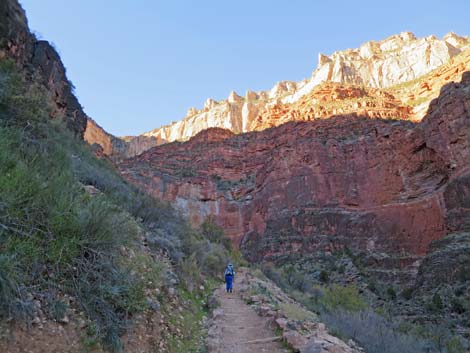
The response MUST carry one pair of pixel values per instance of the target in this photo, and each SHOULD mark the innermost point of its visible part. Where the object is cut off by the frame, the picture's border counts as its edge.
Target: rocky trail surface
(259, 317)
(237, 328)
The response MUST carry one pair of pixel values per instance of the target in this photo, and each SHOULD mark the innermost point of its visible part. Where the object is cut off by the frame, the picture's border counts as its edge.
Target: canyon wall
(41, 63)
(376, 64)
(393, 78)
(117, 148)
(380, 187)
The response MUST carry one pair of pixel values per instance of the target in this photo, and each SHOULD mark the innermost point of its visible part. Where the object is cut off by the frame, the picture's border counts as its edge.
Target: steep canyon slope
(43, 65)
(41, 62)
(382, 187)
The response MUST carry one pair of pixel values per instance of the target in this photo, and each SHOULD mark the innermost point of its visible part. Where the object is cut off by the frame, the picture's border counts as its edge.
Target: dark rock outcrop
(448, 262)
(41, 62)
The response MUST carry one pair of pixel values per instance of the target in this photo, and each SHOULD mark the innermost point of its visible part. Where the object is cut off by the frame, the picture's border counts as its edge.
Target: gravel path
(239, 328)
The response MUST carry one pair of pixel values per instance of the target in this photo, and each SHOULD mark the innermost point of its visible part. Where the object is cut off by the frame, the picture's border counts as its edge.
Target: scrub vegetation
(75, 236)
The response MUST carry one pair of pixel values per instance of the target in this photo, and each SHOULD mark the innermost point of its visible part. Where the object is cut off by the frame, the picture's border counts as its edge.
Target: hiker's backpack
(229, 271)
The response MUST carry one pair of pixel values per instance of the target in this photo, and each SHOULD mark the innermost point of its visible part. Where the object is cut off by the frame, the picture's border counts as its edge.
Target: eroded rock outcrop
(374, 186)
(375, 65)
(380, 64)
(114, 147)
(41, 62)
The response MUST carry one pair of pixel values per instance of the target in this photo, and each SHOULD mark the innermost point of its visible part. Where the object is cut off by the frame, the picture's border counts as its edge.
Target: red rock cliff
(386, 188)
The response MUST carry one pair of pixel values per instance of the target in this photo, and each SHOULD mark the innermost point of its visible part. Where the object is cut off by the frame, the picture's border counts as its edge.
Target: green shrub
(458, 305)
(347, 298)
(58, 309)
(237, 258)
(391, 293)
(21, 104)
(190, 272)
(455, 345)
(436, 305)
(407, 293)
(9, 288)
(373, 286)
(373, 332)
(55, 238)
(210, 230)
(324, 276)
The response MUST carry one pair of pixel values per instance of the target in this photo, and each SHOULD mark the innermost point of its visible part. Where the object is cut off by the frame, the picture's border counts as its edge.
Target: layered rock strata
(114, 147)
(384, 64)
(385, 188)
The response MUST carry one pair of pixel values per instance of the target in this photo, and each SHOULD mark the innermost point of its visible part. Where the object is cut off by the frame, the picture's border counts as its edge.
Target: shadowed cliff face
(41, 62)
(378, 187)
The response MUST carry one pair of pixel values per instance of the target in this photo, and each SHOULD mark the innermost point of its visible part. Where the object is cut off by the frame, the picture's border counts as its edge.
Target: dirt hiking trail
(237, 328)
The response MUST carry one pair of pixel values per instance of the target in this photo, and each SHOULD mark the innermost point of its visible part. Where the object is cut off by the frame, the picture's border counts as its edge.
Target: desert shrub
(458, 305)
(296, 312)
(54, 237)
(291, 278)
(21, 105)
(8, 285)
(11, 302)
(459, 291)
(440, 336)
(209, 248)
(212, 258)
(342, 269)
(324, 276)
(237, 257)
(373, 286)
(190, 272)
(150, 270)
(271, 272)
(455, 345)
(345, 298)
(210, 230)
(391, 293)
(214, 263)
(295, 282)
(407, 293)
(373, 332)
(436, 305)
(58, 309)
(75, 237)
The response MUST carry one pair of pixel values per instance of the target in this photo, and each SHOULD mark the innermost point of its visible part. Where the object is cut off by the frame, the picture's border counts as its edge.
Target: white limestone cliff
(378, 64)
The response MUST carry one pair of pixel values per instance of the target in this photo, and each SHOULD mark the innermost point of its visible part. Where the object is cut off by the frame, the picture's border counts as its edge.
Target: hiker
(229, 276)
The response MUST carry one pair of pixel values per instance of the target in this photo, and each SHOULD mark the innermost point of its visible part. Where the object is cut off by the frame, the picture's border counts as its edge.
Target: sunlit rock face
(381, 64)
(391, 79)
(114, 147)
(371, 185)
(376, 64)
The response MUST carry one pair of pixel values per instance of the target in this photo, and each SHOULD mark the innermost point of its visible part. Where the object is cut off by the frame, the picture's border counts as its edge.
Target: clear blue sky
(140, 64)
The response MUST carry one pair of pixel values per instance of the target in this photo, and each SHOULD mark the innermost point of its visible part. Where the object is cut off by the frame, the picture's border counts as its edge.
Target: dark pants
(229, 283)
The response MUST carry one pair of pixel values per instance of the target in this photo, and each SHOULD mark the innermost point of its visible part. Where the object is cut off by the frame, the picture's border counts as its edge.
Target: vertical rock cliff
(377, 65)
(376, 186)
